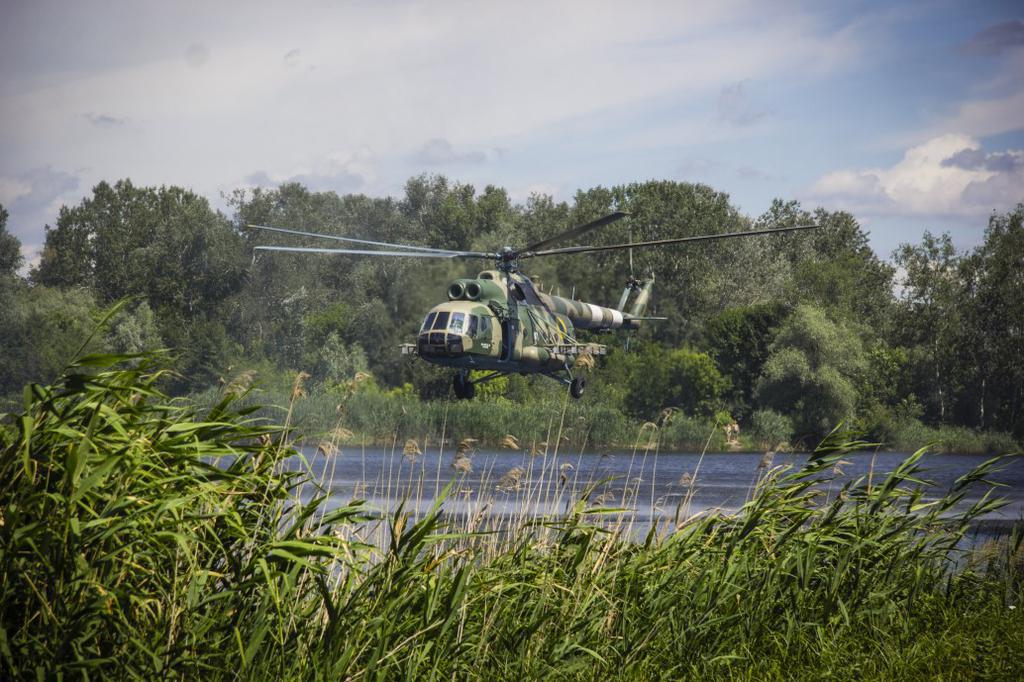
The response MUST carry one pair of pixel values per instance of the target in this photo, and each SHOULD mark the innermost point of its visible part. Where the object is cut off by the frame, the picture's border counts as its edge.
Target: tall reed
(140, 539)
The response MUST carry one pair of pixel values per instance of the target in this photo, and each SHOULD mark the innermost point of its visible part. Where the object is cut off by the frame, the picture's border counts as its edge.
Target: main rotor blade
(577, 231)
(663, 242)
(360, 252)
(351, 239)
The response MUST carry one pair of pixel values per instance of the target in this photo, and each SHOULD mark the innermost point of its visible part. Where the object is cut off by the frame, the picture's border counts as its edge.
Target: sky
(910, 115)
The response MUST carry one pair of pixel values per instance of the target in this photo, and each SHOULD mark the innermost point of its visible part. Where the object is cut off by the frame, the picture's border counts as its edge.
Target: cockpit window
(472, 326)
(442, 321)
(457, 323)
(428, 322)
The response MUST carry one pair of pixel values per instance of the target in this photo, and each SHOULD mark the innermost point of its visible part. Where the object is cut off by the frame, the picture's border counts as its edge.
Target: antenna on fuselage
(631, 284)
(631, 253)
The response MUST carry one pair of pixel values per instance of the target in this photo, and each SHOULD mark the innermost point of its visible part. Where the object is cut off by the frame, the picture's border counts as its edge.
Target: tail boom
(589, 316)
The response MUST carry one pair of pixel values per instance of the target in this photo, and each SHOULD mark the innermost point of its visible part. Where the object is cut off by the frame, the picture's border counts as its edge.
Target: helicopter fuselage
(500, 322)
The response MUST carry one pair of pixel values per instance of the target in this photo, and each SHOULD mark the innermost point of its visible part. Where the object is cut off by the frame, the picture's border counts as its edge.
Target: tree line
(787, 334)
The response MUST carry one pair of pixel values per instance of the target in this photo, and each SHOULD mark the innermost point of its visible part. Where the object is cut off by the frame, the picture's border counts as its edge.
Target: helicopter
(499, 323)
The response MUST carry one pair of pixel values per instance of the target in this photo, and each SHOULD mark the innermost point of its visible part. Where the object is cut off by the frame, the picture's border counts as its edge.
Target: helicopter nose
(455, 344)
(441, 344)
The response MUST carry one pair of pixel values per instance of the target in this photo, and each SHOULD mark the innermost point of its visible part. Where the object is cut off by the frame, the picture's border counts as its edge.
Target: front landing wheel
(464, 388)
(576, 388)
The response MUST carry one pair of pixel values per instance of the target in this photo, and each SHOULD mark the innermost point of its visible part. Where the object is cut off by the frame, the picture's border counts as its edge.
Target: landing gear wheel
(576, 388)
(464, 388)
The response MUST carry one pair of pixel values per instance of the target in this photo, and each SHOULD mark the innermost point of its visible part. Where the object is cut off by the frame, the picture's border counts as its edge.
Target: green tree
(834, 266)
(445, 212)
(738, 339)
(134, 330)
(164, 244)
(994, 327)
(885, 379)
(681, 377)
(10, 248)
(812, 370)
(339, 362)
(41, 329)
(205, 354)
(930, 310)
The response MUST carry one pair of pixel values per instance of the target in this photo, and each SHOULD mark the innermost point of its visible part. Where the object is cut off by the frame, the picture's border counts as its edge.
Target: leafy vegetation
(814, 326)
(141, 539)
(811, 370)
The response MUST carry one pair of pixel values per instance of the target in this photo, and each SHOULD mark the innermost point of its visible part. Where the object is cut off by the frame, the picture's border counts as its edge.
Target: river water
(645, 484)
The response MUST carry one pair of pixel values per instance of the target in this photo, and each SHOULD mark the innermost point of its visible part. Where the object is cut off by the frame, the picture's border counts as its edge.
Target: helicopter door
(507, 339)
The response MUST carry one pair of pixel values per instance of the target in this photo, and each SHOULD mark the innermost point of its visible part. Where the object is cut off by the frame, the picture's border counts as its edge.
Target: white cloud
(948, 175)
(577, 92)
(104, 120)
(339, 171)
(36, 188)
(439, 152)
(736, 107)
(33, 198)
(13, 188)
(696, 167)
(996, 104)
(989, 116)
(389, 76)
(523, 194)
(996, 39)
(196, 55)
(753, 173)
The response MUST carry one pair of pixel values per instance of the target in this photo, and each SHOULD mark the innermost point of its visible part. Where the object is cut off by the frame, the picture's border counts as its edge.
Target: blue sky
(910, 115)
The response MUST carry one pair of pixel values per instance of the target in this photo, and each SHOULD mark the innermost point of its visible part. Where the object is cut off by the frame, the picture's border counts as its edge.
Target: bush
(680, 378)
(952, 439)
(770, 428)
(692, 433)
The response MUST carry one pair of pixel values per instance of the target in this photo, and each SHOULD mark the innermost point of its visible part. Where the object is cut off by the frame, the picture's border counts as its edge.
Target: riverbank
(383, 418)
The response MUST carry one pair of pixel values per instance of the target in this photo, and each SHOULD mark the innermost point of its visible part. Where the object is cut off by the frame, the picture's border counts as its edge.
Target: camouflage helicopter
(500, 323)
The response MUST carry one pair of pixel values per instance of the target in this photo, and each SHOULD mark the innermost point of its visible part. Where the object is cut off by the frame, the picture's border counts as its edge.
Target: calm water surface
(645, 484)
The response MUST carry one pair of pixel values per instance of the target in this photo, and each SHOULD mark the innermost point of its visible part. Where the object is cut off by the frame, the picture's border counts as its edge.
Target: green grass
(142, 540)
(375, 416)
(951, 438)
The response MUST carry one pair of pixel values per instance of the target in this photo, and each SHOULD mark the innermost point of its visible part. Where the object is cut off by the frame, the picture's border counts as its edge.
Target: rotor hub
(507, 259)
